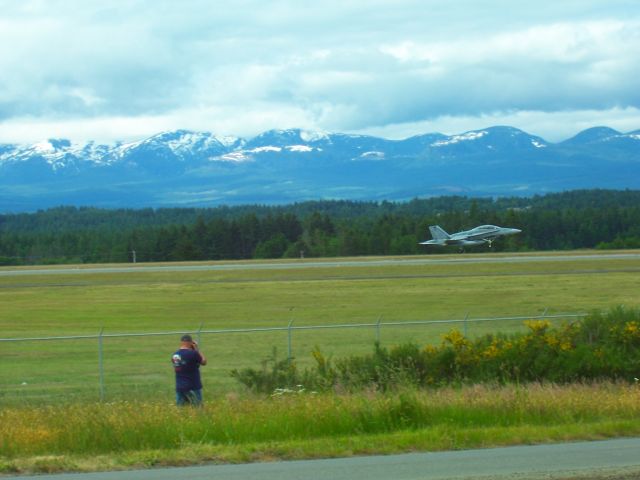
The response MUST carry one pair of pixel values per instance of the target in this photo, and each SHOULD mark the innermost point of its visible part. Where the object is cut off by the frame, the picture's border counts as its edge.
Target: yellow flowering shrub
(599, 346)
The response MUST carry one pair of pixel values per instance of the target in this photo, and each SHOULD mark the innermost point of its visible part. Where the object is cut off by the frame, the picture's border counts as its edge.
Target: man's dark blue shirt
(186, 363)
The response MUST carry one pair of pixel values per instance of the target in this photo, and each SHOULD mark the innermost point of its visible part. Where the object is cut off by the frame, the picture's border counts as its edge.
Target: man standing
(186, 363)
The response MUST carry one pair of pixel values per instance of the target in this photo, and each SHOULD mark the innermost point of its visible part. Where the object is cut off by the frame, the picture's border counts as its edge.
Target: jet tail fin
(437, 233)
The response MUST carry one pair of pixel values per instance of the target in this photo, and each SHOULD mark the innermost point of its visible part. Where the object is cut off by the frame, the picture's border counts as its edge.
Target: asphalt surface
(540, 461)
(431, 260)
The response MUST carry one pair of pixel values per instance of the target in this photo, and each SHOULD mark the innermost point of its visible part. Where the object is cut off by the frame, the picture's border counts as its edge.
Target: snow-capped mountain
(198, 168)
(180, 145)
(57, 153)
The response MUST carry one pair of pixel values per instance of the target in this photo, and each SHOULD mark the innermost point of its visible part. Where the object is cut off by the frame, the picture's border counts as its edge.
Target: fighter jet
(484, 234)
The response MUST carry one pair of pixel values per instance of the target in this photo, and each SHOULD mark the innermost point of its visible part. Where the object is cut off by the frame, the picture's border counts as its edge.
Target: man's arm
(203, 359)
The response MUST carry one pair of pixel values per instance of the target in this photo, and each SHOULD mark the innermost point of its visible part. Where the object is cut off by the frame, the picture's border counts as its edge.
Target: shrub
(273, 374)
(600, 346)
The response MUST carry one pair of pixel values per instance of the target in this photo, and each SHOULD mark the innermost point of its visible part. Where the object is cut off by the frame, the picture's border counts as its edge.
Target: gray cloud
(337, 65)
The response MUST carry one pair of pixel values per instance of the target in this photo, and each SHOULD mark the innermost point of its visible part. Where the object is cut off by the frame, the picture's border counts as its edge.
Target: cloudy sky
(111, 70)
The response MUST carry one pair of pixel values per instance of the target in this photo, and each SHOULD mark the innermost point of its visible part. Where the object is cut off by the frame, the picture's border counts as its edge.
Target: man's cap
(186, 338)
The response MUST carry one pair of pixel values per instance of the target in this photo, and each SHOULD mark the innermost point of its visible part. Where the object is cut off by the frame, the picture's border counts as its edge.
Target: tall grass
(92, 429)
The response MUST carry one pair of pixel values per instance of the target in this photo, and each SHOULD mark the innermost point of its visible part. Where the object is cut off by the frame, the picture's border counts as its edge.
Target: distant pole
(133, 253)
(101, 365)
(289, 342)
(466, 317)
(289, 337)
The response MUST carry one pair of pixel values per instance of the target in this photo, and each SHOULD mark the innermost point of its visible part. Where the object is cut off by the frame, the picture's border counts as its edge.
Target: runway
(301, 264)
(565, 460)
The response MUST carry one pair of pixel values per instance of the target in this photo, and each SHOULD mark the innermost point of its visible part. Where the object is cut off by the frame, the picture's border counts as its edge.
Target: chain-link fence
(108, 366)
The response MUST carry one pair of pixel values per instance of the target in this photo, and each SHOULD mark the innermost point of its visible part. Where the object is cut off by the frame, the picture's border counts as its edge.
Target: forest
(605, 219)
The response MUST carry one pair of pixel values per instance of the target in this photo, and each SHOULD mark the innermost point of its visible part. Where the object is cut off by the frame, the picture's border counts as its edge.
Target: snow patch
(232, 157)
(465, 137)
(227, 141)
(313, 136)
(189, 141)
(185, 141)
(44, 147)
(537, 144)
(299, 148)
(266, 149)
(372, 155)
(124, 148)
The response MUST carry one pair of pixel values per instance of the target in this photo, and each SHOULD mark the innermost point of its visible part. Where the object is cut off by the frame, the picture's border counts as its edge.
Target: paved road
(541, 461)
(431, 260)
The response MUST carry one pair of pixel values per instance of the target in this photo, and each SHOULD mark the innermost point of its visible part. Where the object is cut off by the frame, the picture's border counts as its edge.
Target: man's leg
(194, 397)
(182, 398)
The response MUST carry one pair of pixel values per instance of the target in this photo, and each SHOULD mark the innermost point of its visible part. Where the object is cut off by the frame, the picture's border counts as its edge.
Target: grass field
(141, 301)
(124, 435)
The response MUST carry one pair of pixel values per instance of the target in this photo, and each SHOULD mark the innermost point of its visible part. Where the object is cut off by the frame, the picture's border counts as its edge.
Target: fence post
(199, 335)
(544, 314)
(378, 330)
(289, 349)
(101, 364)
(466, 317)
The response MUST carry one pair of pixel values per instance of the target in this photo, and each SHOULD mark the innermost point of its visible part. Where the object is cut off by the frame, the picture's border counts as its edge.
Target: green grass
(50, 421)
(243, 428)
(64, 304)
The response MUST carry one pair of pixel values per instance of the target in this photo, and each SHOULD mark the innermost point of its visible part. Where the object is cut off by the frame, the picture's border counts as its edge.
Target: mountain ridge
(184, 167)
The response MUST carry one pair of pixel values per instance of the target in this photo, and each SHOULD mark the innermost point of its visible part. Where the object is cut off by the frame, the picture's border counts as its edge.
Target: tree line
(569, 220)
